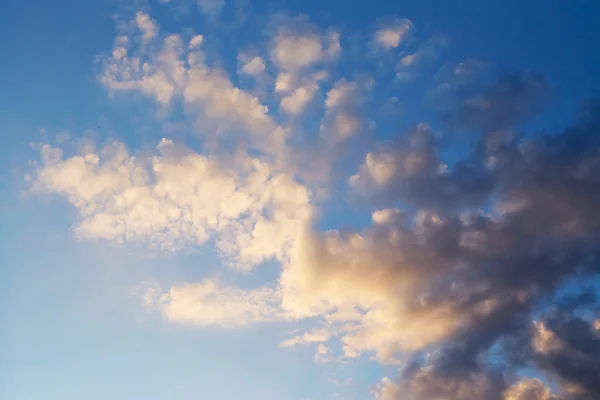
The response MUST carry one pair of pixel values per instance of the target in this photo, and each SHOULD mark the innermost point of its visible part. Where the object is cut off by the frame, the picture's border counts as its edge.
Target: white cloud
(387, 389)
(323, 354)
(209, 304)
(394, 34)
(380, 167)
(341, 94)
(159, 77)
(345, 125)
(196, 41)
(295, 103)
(294, 53)
(255, 66)
(179, 199)
(284, 83)
(172, 71)
(317, 335)
(341, 120)
(146, 25)
(386, 216)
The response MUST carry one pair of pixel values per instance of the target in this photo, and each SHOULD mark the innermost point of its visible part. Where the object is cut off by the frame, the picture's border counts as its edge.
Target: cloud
(178, 199)
(146, 25)
(161, 78)
(319, 335)
(393, 34)
(386, 216)
(459, 259)
(196, 41)
(342, 117)
(323, 355)
(301, 54)
(538, 174)
(530, 389)
(209, 304)
(470, 105)
(293, 51)
(430, 382)
(566, 347)
(254, 66)
(410, 168)
(387, 389)
(295, 103)
(167, 70)
(411, 64)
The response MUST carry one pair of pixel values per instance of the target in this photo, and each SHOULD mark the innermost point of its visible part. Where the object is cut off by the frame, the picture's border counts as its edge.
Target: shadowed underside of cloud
(456, 262)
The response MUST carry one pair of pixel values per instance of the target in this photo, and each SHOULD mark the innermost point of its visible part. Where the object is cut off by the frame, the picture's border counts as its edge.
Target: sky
(293, 200)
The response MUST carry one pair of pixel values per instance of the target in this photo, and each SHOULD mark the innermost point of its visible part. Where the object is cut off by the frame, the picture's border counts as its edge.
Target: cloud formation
(393, 34)
(476, 105)
(460, 259)
(178, 199)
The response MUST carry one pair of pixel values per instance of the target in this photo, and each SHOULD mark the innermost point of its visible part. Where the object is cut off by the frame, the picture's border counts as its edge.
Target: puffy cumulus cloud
(411, 168)
(196, 41)
(386, 216)
(387, 389)
(146, 25)
(342, 117)
(393, 34)
(294, 53)
(253, 66)
(178, 198)
(294, 50)
(301, 55)
(295, 103)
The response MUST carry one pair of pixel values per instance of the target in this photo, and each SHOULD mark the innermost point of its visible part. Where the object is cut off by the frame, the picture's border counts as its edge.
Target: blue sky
(161, 239)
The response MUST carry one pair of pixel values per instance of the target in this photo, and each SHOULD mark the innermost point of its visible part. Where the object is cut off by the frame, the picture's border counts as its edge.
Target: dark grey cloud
(422, 180)
(496, 269)
(577, 360)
